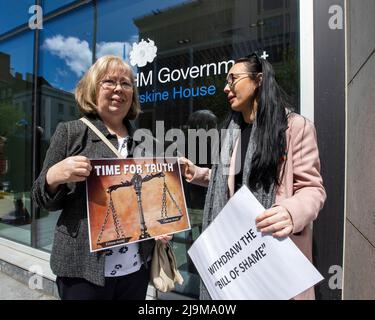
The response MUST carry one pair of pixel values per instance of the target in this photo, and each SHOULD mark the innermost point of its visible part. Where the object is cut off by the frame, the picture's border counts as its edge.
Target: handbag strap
(102, 137)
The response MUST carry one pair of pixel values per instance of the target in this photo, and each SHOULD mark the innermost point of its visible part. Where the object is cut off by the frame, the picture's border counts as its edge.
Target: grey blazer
(71, 255)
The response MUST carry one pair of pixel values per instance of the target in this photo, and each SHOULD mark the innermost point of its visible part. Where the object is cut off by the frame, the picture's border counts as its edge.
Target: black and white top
(122, 260)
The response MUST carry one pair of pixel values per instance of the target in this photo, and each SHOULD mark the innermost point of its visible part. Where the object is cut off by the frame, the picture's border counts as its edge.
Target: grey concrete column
(359, 250)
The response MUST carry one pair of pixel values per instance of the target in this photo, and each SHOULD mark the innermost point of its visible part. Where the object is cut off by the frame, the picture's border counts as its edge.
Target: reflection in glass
(14, 14)
(195, 44)
(65, 54)
(181, 52)
(51, 5)
(15, 137)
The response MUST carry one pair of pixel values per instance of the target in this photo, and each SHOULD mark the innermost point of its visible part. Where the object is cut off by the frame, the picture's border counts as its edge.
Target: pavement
(11, 289)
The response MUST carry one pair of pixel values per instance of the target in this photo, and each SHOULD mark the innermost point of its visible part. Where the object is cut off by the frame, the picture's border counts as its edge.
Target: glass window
(65, 54)
(52, 5)
(14, 14)
(181, 52)
(272, 4)
(60, 108)
(73, 111)
(15, 137)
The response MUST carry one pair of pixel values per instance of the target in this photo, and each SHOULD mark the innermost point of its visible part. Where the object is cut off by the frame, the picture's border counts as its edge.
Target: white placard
(235, 261)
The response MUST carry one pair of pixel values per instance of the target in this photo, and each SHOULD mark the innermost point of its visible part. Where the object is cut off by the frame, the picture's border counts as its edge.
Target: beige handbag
(164, 273)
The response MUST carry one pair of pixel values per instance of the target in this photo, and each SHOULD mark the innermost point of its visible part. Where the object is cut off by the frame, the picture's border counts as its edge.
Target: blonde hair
(87, 88)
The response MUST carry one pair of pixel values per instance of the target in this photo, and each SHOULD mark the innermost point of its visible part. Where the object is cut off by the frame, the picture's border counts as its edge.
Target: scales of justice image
(170, 214)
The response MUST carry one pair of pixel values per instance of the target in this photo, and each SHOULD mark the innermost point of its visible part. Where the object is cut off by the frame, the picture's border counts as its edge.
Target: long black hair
(272, 122)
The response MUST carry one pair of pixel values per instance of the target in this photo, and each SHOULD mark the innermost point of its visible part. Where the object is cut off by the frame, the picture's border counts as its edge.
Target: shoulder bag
(164, 273)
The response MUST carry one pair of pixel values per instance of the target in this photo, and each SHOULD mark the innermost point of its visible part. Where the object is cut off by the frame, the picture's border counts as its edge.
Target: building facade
(181, 52)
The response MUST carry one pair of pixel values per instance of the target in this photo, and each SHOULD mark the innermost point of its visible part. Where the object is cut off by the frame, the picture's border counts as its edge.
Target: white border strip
(306, 18)
(24, 249)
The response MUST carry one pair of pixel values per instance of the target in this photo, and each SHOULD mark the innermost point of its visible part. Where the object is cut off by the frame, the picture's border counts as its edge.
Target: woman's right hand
(187, 168)
(71, 169)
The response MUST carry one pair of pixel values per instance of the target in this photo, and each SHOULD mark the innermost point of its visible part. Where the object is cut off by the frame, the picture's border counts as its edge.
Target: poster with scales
(135, 199)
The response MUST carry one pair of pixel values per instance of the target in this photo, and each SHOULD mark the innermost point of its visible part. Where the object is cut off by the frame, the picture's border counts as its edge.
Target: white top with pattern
(122, 260)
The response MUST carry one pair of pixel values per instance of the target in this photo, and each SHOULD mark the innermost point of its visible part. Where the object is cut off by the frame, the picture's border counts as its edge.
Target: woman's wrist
(51, 182)
(192, 172)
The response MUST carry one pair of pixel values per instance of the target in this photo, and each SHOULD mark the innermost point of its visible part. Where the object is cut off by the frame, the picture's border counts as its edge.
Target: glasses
(233, 78)
(110, 84)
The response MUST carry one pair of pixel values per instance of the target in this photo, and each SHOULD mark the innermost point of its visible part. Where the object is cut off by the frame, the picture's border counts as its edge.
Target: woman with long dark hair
(273, 151)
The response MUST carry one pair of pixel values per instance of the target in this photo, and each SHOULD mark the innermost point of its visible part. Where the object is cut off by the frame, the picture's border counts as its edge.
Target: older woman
(108, 97)
(277, 158)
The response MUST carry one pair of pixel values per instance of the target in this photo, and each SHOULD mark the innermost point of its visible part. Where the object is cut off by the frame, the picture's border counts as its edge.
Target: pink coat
(301, 191)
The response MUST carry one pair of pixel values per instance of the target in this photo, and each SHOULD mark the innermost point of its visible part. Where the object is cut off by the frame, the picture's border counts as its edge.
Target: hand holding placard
(246, 264)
